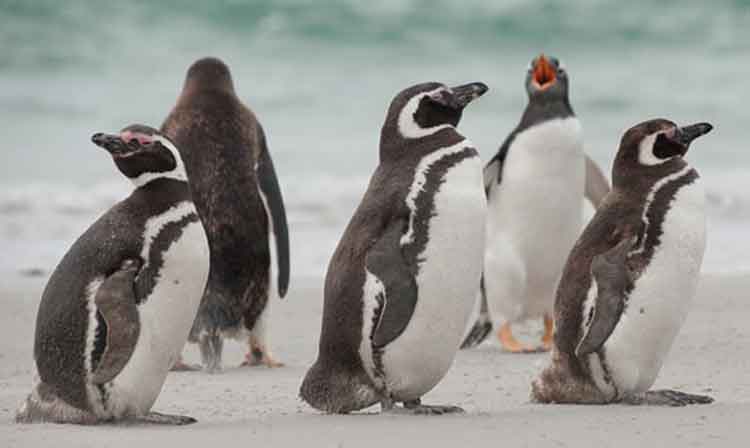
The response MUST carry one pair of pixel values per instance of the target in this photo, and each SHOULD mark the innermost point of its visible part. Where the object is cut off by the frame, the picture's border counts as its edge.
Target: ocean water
(320, 75)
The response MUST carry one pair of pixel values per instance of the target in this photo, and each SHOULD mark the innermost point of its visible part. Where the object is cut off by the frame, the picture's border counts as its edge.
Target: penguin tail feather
(215, 314)
(337, 390)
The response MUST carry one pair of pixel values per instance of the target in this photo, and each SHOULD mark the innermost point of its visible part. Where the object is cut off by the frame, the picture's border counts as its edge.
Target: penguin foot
(510, 343)
(259, 357)
(415, 407)
(479, 332)
(549, 333)
(666, 397)
(156, 418)
(211, 346)
(182, 366)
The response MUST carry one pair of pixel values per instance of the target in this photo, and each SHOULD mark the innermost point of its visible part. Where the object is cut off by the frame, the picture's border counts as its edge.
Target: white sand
(250, 407)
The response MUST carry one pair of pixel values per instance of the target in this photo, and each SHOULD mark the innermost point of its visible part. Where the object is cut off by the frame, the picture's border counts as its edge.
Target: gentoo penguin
(238, 198)
(535, 186)
(395, 292)
(629, 280)
(118, 308)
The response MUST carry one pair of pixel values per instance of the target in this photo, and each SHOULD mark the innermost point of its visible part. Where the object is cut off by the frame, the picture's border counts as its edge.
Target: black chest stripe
(424, 204)
(657, 211)
(168, 234)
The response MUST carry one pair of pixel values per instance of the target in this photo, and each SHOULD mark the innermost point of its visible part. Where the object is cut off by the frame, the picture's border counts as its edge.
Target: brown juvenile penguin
(238, 198)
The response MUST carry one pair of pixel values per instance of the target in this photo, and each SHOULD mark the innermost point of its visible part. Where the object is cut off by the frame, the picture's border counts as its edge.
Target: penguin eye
(665, 148)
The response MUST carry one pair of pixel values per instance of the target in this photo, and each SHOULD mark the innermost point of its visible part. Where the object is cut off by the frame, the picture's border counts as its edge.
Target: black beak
(686, 134)
(112, 143)
(463, 95)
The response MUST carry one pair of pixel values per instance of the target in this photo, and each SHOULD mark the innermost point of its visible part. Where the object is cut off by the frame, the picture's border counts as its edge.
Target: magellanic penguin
(118, 308)
(629, 280)
(396, 301)
(238, 198)
(535, 187)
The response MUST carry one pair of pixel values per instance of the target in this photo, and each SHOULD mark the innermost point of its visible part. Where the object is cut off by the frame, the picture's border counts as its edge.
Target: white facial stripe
(646, 154)
(420, 179)
(408, 127)
(178, 173)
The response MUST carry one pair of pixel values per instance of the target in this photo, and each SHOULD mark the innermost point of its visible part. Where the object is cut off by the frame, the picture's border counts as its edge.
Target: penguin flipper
(614, 280)
(117, 315)
(483, 325)
(399, 296)
(491, 173)
(269, 185)
(597, 185)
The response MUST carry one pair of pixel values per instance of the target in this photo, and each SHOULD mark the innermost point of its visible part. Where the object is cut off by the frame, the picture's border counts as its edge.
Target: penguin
(238, 198)
(395, 291)
(535, 185)
(629, 280)
(118, 307)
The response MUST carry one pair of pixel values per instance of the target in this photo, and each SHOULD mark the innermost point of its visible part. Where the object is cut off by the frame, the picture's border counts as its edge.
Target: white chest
(448, 276)
(167, 313)
(534, 217)
(662, 295)
(542, 185)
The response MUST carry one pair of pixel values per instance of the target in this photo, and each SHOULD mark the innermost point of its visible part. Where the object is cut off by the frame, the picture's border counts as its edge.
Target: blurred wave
(320, 74)
(50, 34)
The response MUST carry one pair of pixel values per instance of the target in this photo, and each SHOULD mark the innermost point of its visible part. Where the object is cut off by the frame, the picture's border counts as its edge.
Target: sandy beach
(258, 405)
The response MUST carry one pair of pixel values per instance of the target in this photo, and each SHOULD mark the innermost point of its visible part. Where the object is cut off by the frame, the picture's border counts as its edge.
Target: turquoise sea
(320, 75)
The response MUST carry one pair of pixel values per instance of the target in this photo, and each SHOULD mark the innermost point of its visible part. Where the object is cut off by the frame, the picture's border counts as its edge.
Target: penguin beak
(113, 144)
(686, 134)
(543, 75)
(463, 95)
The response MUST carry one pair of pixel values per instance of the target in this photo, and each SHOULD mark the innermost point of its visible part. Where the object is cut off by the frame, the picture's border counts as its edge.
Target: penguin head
(654, 149)
(546, 80)
(208, 74)
(424, 110)
(142, 154)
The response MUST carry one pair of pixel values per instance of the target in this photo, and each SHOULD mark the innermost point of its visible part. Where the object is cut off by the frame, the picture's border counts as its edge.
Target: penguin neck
(629, 175)
(541, 108)
(147, 178)
(194, 92)
(394, 146)
(172, 190)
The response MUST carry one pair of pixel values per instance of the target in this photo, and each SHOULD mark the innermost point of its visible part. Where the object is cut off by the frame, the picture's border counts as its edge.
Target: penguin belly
(659, 302)
(448, 278)
(535, 217)
(166, 316)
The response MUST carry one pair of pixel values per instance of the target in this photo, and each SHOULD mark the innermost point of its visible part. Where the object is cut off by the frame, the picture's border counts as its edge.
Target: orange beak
(544, 73)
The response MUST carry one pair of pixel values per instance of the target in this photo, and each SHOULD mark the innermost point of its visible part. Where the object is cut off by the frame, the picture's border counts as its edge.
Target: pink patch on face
(670, 133)
(143, 139)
